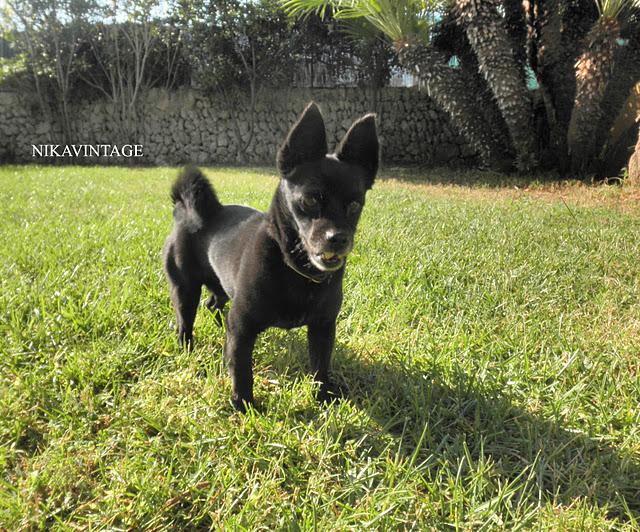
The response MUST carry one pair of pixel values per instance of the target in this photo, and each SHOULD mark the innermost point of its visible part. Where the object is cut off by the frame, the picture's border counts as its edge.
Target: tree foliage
(69, 50)
(48, 34)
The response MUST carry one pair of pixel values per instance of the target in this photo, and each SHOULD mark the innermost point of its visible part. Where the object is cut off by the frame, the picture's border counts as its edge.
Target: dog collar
(314, 279)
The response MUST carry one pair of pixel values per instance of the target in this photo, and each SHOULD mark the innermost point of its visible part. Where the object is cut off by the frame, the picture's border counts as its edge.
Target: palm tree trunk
(487, 33)
(449, 88)
(626, 73)
(517, 28)
(593, 71)
(450, 39)
(488, 108)
(634, 163)
(560, 27)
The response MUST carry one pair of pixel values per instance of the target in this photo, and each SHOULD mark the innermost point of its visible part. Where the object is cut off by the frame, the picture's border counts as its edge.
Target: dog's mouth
(327, 260)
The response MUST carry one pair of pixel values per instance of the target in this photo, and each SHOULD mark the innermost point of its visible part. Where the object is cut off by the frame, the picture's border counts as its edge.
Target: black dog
(281, 268)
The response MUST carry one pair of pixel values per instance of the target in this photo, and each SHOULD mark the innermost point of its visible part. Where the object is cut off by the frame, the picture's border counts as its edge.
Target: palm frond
(358, 29)
(400, 20)
(297, 8)
(612, 9)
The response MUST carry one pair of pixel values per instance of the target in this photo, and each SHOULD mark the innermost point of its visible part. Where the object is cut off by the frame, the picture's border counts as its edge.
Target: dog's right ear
(360, 146)
(306, 141)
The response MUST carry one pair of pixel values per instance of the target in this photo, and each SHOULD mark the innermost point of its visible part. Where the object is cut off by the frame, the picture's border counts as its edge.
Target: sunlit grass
(488, 348)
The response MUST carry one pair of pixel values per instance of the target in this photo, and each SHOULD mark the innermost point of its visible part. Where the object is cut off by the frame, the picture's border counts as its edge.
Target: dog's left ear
(360, 146)
(306, 141)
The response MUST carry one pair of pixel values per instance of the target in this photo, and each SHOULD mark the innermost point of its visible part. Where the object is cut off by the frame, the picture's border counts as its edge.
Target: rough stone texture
(186, 126)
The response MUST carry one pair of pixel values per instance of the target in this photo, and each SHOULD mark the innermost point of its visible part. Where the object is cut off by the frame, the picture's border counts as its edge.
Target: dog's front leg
(321, 337)
(238, 348)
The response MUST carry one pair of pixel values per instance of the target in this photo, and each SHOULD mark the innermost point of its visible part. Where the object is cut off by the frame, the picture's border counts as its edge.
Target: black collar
(317, 278)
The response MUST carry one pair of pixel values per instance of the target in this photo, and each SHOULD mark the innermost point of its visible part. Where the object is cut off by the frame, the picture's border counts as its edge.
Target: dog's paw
(242, 404)
(185, 341)
(327, 393)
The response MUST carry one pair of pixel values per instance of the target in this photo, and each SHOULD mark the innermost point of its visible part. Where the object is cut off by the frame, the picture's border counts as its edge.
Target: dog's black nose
(338, 238)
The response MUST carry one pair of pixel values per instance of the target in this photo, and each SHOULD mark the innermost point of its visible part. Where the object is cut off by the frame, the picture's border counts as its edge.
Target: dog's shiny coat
(281, 268)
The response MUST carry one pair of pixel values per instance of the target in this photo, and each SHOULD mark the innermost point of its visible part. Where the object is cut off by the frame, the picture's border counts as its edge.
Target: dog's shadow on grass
(450, 424)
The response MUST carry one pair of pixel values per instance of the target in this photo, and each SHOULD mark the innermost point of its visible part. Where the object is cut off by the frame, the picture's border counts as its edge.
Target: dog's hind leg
(185, 302)
(218, 298)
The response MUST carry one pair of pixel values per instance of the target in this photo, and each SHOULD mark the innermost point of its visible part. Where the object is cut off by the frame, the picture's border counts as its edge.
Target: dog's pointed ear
(360, 146)
(306, 141)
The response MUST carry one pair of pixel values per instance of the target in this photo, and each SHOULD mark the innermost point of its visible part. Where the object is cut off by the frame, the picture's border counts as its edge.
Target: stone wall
(185, 126)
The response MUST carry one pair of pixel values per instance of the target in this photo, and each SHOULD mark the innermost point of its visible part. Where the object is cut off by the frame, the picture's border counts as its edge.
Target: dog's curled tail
(194, 199)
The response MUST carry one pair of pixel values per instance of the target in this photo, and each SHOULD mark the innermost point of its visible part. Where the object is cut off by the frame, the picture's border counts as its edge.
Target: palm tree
(634, 163)
(570, 47)
(450, 89)
(450, 39)
(515, 18)
(621, 89)
(408, 24)
(560, 26)
(487, 32)
(593, 71)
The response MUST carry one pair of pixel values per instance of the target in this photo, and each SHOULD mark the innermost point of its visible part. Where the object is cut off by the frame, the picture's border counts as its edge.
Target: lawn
(488, 351)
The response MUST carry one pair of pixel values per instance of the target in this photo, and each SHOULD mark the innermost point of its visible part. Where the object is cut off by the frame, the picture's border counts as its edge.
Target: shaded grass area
(487, 351)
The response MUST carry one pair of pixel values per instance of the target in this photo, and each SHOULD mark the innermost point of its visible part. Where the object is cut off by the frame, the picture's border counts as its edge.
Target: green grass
(488, 348)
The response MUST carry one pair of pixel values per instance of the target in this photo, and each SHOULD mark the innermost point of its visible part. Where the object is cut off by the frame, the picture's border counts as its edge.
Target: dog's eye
(310, 203)
(354, 207)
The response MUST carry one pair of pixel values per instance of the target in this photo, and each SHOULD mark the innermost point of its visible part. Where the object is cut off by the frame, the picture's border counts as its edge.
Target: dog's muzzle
(329, 260)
